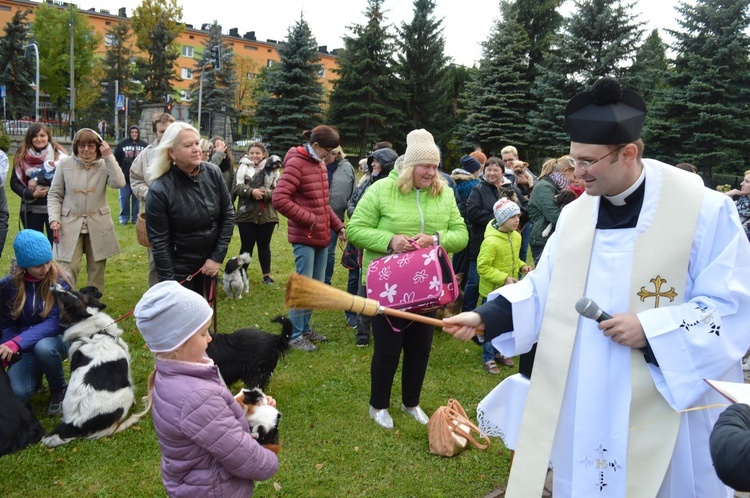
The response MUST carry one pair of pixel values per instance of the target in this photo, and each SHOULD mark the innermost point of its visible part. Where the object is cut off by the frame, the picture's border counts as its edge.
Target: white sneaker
(416, 412)
(382, 418)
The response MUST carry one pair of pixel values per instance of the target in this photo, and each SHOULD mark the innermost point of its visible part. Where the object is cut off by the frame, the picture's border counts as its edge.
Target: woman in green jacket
(412, 208)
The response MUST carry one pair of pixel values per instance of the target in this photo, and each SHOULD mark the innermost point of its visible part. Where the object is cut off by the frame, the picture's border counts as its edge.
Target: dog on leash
(235, 276)
(249, 354)
(100, 391)
(262, 418)
(18, 425)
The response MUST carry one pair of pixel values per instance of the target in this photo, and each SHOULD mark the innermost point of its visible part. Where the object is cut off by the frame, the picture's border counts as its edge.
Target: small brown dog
(454, 307)
(262, 418)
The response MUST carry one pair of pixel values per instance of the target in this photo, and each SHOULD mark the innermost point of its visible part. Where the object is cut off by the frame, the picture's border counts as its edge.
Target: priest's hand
(464, 326)
(625, 329)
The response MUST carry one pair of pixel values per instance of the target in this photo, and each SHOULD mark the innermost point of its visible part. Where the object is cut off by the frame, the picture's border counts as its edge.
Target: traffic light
(216, 56)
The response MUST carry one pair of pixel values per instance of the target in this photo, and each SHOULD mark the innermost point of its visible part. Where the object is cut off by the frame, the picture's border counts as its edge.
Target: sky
(465, 22)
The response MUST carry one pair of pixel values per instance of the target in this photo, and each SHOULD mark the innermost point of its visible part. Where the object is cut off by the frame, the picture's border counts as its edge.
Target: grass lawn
(330, 445)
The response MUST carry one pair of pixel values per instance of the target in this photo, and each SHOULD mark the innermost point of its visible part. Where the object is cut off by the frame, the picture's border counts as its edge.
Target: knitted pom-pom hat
(421, 149)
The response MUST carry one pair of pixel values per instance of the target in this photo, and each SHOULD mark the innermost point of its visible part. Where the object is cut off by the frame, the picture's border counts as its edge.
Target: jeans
(471, 291)
(46, 357)
(525, 236)
(352, 285)
(126, 211)
(331, 261)
(311, 262)
(488, 351)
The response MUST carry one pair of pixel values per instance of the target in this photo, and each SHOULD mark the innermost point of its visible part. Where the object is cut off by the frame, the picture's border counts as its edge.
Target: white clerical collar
(619, 199)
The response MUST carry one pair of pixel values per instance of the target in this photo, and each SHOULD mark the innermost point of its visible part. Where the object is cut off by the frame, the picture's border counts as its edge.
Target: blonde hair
(44, 289)
(509, 149)
(560, 164)
(205, 145)
(162, 161)
(406, 181)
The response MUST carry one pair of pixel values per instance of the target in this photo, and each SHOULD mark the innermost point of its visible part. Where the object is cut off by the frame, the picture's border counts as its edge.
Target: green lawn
(330, 445)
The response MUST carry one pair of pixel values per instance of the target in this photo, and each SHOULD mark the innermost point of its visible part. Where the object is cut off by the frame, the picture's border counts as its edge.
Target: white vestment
(703, 338)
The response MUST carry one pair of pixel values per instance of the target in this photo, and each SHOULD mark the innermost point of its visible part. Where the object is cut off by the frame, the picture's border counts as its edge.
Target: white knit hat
(504, 209)
(168, 315)
(421, 149)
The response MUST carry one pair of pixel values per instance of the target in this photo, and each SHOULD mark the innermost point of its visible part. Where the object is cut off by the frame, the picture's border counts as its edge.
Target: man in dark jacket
(730, 447)
(125, 153)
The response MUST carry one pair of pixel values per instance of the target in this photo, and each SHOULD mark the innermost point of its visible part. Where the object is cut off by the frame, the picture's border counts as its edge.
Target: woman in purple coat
(206, 445)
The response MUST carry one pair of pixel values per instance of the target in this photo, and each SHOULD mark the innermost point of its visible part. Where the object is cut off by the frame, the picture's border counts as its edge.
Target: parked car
(17, 126)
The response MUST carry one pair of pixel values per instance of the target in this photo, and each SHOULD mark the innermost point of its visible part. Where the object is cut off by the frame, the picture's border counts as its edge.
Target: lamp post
(36, 55)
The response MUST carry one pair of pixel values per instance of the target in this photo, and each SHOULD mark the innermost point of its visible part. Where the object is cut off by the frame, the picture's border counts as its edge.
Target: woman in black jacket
(189, 211)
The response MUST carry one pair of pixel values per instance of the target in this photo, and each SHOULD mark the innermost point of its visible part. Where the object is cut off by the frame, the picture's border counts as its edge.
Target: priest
(619, 407)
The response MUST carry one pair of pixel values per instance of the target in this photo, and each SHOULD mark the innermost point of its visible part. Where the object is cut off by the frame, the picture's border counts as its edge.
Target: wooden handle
(411, 316)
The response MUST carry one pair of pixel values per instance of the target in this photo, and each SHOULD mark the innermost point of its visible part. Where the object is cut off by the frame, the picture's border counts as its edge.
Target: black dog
(18, 426)
(249, 354)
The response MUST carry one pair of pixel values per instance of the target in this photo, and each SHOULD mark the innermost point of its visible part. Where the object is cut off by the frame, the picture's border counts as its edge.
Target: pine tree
(703, 117)
(540, 20)
(363, 102)
(422, 67)
(599, 39)
(18, 72)
(497, 96)
(118, 62)
(647, 76)
(219, 85)
(292, 93)
(156, 24)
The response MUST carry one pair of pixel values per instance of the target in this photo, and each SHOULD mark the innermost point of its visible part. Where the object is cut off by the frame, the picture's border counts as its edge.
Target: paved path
(500, 492)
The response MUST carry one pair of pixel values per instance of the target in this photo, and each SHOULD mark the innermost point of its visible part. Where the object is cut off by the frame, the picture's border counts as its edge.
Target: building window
(271, 63)
(250, 47)
(187, 74)
(322, 73)
(185, 95)
(187, 51)
(109, 40)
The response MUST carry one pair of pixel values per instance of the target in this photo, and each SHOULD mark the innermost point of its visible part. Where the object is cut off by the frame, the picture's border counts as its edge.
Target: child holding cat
(205, 441)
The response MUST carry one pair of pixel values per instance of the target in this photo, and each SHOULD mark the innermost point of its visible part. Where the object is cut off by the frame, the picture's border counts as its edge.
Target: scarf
(559, 180)
(32, 160)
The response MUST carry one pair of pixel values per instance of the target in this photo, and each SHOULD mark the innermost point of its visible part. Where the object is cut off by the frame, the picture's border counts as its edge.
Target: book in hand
(735, 392)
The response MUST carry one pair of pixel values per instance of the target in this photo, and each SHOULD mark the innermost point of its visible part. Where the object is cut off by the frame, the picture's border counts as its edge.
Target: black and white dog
(18, 425)
(235, 276)
(262, 418)
(249, 354)
(100, 391)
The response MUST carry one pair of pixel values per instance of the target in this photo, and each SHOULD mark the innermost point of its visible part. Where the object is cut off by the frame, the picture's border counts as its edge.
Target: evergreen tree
(647, 75)
(422, 66)
(540, 21)
(292, 93)
(51, 29)
(703, 117)
(156, 24)
(599, 39)
(363, 100)
(18, 72)
(219, 85)
(497, 96)
(118, 63)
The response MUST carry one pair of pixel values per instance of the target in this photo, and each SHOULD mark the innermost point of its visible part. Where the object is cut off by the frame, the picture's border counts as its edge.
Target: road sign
(120, 101)
(2, 91)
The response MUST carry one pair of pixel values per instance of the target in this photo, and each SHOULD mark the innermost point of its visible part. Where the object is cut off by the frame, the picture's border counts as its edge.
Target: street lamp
(36, 55)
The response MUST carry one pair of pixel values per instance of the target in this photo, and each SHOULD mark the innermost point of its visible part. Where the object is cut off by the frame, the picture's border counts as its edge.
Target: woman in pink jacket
(302, 196)
(206, 445)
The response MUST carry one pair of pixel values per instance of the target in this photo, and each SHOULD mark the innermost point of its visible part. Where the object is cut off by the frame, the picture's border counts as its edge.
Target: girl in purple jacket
(205, 442)
(31, 342)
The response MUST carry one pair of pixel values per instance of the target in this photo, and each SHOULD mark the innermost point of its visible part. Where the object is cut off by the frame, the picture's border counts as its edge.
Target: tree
(363, 102)
(540, 20)
(647, 76)
(291, 91)
(52, 33)
(118, 64)
(599, 39)
(156, 24)
(497, 96)
(245, 99)
(703, 116)
(422, 67)
(219, 83)
(18, 72)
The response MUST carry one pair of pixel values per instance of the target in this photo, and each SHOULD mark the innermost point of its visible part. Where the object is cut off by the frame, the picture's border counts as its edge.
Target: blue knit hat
(32, 248)
(470, 164)
(168, 315)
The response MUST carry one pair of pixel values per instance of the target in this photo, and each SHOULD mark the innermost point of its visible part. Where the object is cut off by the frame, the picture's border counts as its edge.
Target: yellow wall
(257, 53)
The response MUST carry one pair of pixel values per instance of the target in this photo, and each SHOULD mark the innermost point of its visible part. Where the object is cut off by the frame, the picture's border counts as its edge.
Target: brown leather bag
(140, 231)
(450, 430)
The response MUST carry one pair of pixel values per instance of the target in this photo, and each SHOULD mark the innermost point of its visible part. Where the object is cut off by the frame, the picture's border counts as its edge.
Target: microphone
(589, 309)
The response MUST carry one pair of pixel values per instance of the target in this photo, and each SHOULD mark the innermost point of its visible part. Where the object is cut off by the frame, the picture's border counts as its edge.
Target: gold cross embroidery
(658, 281)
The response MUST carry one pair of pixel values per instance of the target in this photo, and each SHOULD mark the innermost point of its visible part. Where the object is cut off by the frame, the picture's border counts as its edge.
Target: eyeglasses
(586, 165)
(87, 146)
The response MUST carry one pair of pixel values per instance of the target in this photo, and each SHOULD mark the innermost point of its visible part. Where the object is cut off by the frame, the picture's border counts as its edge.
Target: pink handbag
(420, 280)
